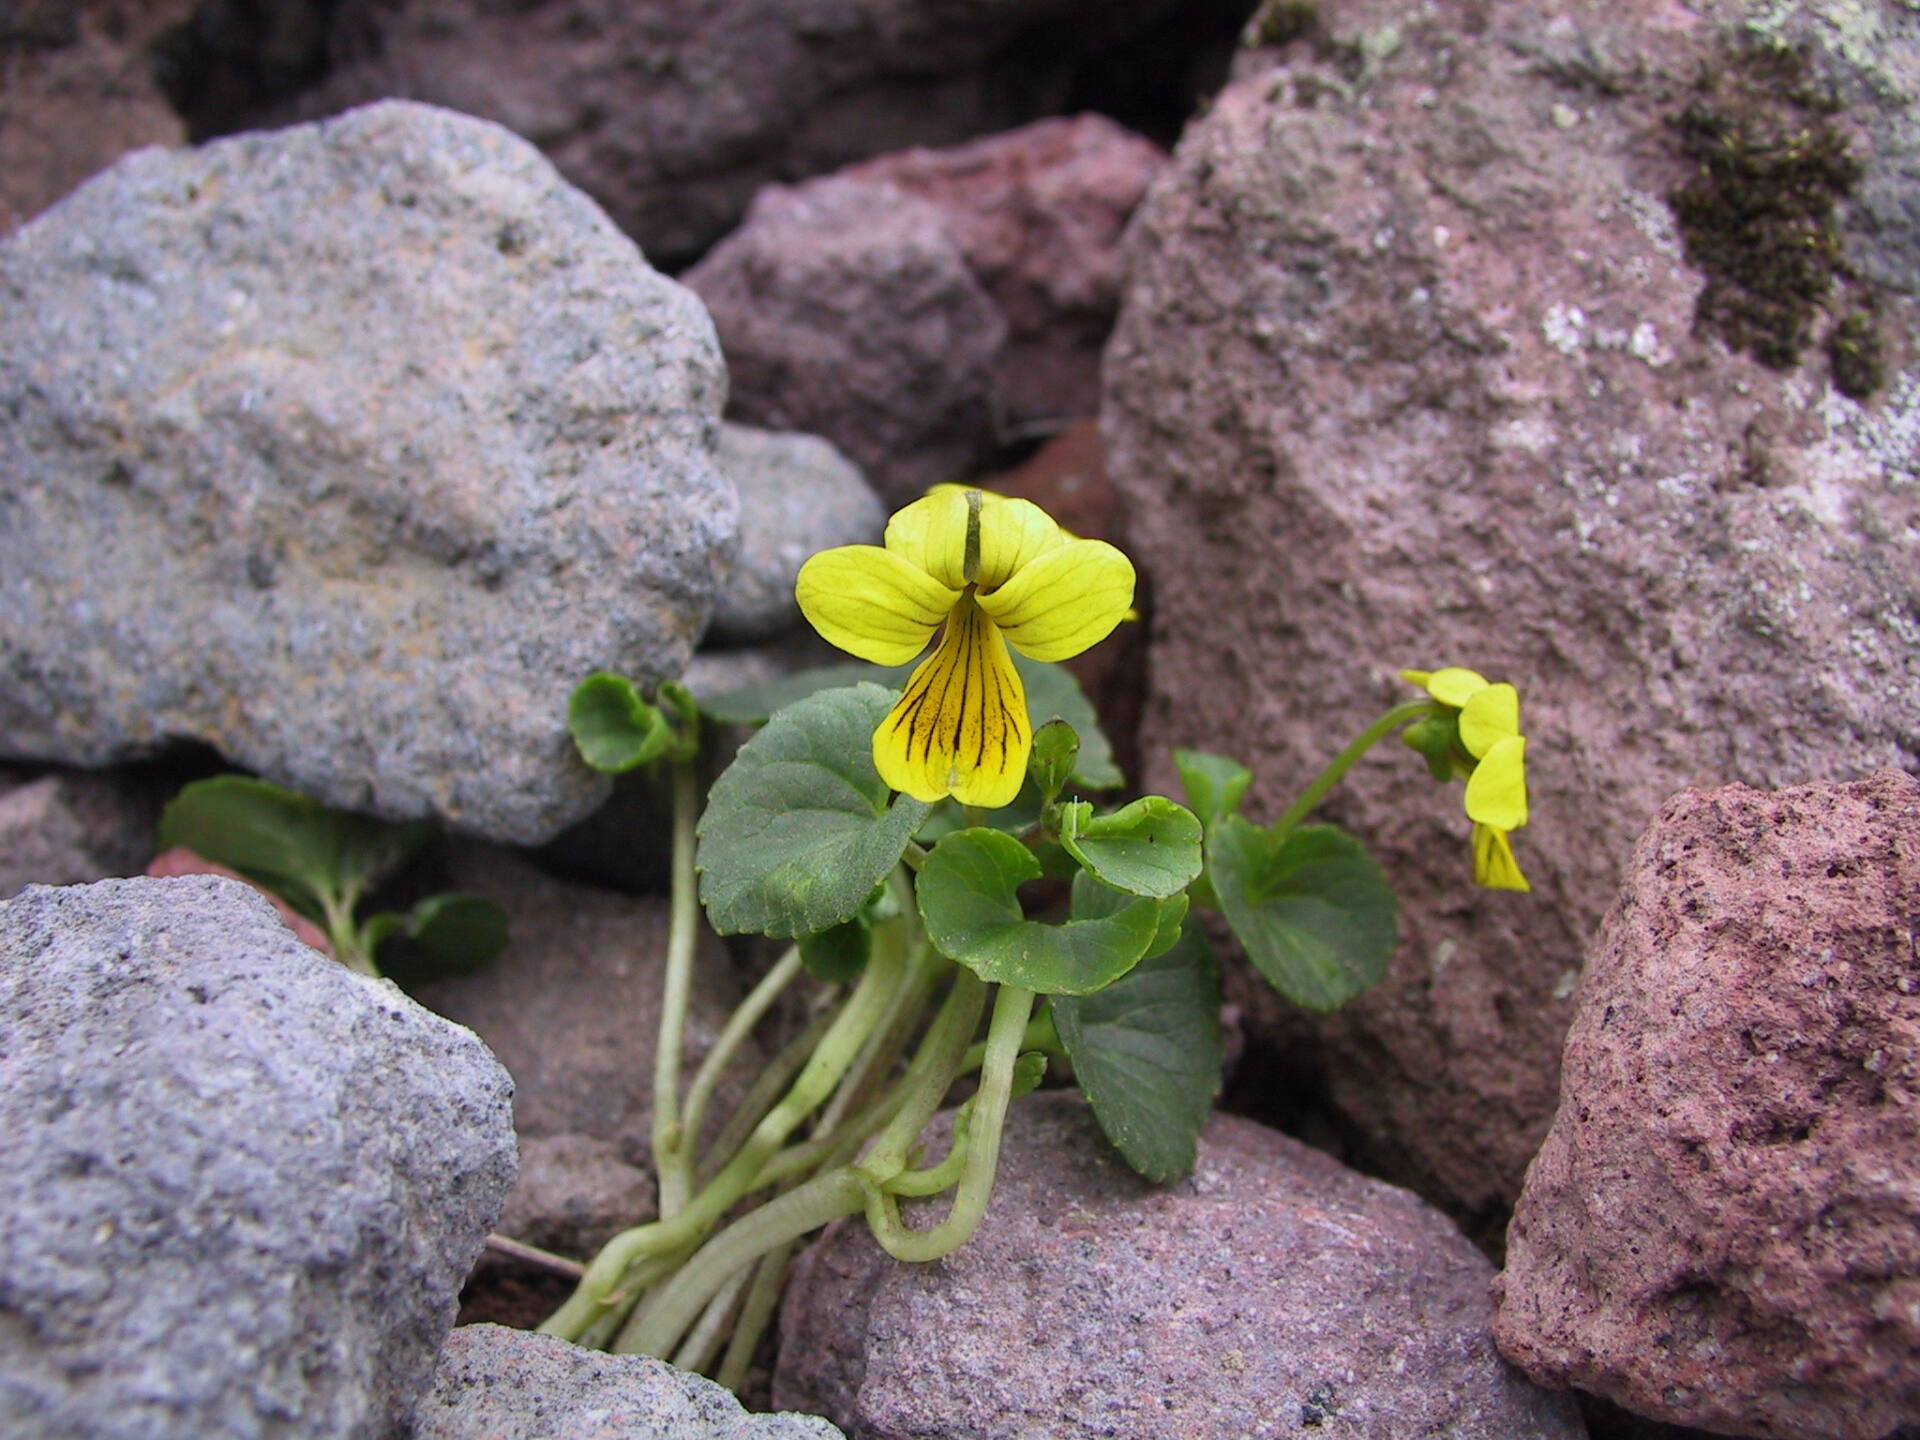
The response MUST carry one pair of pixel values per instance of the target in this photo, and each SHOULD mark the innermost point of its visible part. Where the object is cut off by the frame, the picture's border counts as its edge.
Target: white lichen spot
(1564, 327)
(1654, 221)
(1645, 344)
(1564, 117)
(1566, 984)
(1441, 234)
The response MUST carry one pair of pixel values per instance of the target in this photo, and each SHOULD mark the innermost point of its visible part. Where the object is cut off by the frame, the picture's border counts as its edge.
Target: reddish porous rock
(1038, 212)
(1407, 374)
(846, 309)
(76, 93)
(1274, 1292)
(1723, 1227)
(673, 113)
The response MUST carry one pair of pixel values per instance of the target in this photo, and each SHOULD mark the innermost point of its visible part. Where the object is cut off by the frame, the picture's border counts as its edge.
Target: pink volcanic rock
(673, 113)
(1038, 212)
(1407, 374)
(76, 93)
(1723, 1227)
(1272, 1293)
(846, 309)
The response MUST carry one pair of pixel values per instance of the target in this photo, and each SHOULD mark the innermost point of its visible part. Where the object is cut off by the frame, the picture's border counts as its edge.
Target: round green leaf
(969, 899)
(1214, 784)
(1314, 913)
(799, 829)
(1151, 847)
(836, 956)
(614, 728)
(448, 934)
(1147, 1053)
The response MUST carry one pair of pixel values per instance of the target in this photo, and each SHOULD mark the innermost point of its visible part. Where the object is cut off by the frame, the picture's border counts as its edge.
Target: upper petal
(1489, 716)
(1013, 534)
(1451, 686)
(1064, 601)
(1497, 788)
(872, 603)
(960, 726)
(931, 534)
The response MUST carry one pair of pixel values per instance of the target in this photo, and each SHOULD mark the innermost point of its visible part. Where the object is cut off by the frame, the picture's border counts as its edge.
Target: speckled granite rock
(1273, 1292)
(500, 1384)
(243, 1184)
(1407, 374)
(1723, 1227)
(349, 450)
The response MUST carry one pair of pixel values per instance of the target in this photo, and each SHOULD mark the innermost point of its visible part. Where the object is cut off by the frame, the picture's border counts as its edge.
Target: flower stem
(1011, 1007)
(1323, 782)
(732, 1036)
(769, 1278)
(672, 1144)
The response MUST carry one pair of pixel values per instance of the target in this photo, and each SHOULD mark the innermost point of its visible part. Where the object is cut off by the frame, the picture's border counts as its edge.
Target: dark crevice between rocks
(232, 59)
(1155, 81)
(1760, 216)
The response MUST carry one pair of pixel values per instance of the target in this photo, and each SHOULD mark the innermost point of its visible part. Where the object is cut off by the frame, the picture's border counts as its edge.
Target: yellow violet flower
(1496, 798)
(986, 572)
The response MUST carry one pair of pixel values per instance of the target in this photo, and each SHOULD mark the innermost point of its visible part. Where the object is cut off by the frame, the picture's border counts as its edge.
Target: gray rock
(1723, 1227)
(501, 1384)
(1272, 1293)
(798, 495)
(1411, 371)
(70, 827)
(349, 450)
(243, 1184)
(847, 309)
(574, 1194)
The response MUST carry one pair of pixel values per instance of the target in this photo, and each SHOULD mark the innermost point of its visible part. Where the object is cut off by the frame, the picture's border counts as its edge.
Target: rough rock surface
(496, 1382)
(71, 828)
(1038, 212)
(572, 1007)
(672, 115)
(797, 495)
(1407, 374)
(349, 449)
(1272, 1293)
(846, 309)
(243, 1184)
(1723, 1227)
(76, 93)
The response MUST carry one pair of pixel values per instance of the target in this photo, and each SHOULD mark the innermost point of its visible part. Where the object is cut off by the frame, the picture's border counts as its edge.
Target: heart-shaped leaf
(1214, 784)
(1150, 847)
(615, 730)
(1147, 1053)
(969, 899)
(799, 829)
(1314, 913)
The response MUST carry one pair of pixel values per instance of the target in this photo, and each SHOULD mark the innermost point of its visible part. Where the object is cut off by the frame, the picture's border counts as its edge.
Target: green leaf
(614, 728)
(969, 899)
(1314, 912)
(1029, 1069)
(312, 856)
(1055, 748)
(447, 934)
(1052, 694)
(1091, 900)
(1214, 784)
(1147, 1052)
(1150, 847)
(799, 830)
(837, 955)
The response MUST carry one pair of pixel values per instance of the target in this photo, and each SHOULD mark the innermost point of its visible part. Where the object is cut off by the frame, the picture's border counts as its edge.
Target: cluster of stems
(831, 1127)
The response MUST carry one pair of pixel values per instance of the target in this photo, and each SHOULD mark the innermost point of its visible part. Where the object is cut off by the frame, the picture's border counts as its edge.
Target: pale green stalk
(732, 1036)
(769, 1278)
(1323, 782)
(672, 1144)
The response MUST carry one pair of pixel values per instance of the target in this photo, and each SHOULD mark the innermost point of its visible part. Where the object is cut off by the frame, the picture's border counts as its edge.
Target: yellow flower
(1496, 799)
(993, 572)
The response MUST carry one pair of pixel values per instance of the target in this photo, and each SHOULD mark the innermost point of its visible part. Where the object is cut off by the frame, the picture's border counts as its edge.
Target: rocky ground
(1572, 342)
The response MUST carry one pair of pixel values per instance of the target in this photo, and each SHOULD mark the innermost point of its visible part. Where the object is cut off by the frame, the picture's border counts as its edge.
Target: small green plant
(324, 863)
(894, 824)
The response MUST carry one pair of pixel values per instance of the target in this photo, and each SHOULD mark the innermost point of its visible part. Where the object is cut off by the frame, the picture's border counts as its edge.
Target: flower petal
(1451, 686)
(1493, 862)
(931, 534)
(1489, 716)
(960, 727)
(872, 603)
(1013, 534)
(1497, 789)
(1068, 599)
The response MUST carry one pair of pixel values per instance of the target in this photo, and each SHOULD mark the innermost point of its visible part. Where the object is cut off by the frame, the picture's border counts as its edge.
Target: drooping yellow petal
(1497, 789)
(960, 727)
(1489, 716)
(1451, 686)
(1013, 534)
(1064, 601)
(931, 534)
(1493, 862)
(872, 603)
